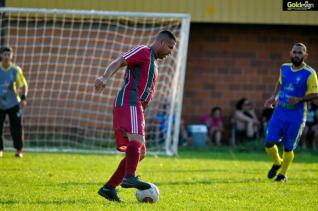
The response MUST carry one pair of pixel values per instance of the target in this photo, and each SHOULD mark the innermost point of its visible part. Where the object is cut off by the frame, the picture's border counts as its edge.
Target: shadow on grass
(47, 202)
(61, 202)
(8, 202)
(213, 181)
(212, 170)
(65, 184)
(224, 153)
(307, 181)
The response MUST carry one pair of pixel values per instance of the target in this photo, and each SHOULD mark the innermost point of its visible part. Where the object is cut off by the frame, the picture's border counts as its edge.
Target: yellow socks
(288, 157)
(273, 153)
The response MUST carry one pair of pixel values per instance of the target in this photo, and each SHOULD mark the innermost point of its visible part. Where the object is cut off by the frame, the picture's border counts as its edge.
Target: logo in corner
(300, 5)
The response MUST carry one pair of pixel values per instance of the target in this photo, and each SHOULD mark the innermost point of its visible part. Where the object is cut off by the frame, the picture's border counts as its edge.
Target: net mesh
(61, 55)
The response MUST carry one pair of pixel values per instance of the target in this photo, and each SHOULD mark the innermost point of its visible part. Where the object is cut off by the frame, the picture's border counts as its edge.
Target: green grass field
(195, 180)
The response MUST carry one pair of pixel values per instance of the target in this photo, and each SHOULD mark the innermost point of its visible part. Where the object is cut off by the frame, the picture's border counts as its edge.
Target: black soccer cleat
(134, 182)
(273, 171)
(109, 194)
(281, 178)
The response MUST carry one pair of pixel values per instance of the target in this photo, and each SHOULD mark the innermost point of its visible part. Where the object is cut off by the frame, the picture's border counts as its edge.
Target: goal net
(63, 51)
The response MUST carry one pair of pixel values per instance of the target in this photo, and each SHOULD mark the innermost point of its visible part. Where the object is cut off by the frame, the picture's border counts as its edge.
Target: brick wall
(227, 62)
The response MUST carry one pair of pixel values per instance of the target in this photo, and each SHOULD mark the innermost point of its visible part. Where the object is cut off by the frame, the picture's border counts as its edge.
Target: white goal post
(63, 51)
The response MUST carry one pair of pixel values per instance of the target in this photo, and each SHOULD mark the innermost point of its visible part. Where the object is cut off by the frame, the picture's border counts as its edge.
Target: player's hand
(294, 100)
(23, 104)
(100, 83)
(269, 103)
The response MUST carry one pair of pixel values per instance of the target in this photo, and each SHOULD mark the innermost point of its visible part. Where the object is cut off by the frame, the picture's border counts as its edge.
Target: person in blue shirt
(296, 86)
(13, 92)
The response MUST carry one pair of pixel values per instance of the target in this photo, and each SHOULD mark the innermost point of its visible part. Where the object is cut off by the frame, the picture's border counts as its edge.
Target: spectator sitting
(163, 121)
(214, 122)
(310, 133)
(245, 119)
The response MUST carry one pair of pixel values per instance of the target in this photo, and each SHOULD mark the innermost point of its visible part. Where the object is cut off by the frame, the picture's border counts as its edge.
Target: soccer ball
(150, 195)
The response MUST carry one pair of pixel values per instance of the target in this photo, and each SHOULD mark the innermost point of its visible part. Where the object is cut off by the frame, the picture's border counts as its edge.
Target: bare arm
(111, 69)
(276, 90)
(22, 87)
(270, 102)
(23, 91)
(295, 100)
(254, 116)
(309, 97)
(241, 117)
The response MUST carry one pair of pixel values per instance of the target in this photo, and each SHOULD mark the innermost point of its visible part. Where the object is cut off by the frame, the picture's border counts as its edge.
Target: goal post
(63, 51)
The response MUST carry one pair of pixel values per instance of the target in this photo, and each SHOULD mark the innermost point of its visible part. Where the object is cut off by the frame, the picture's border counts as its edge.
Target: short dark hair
(6, 49)
(301, 45)
(216, 108)
(166, 34)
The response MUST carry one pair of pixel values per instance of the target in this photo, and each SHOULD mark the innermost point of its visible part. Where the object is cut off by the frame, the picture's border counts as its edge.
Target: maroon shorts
(127, 119)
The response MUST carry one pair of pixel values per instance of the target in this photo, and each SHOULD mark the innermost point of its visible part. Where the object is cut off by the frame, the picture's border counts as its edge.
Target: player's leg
(292, 136)
(134, 149)
(142, 152)
(108, 190)
(119, 174)
(2, 118)
(273, 134)
(288, 157)
(134, 154)
(122, 143)
(15, 119)
(121, 170)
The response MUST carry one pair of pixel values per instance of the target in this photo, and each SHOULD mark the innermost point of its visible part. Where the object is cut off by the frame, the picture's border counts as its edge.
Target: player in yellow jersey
(296, 86)
(13, 92)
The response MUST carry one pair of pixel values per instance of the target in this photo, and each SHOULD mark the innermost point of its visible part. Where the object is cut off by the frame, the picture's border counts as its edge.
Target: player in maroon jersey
(129, 105)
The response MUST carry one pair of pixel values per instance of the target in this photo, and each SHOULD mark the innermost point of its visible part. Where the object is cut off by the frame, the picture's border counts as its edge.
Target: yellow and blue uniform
(11, 78)
(288, 121)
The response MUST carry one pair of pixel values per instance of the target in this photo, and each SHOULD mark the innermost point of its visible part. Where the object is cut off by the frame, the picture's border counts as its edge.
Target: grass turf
(195, 180)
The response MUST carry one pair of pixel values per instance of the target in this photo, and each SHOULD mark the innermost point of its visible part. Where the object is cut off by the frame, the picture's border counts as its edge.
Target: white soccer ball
(150, 195)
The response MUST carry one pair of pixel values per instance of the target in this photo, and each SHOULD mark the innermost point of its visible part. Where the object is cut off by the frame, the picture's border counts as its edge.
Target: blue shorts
(285, 127)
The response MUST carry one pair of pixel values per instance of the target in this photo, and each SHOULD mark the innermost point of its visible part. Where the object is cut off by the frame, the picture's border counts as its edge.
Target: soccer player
(296, 86)
(13, 92)
(128, 113)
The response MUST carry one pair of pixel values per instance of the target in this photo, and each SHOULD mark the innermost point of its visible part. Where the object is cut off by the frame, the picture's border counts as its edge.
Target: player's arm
(311, 93)
(111, 69)
(22, 86)
(270, 102)
(309, 97)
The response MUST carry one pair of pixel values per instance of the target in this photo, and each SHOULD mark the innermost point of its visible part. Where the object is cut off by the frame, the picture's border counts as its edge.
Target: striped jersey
(140, 77)
(11, 78)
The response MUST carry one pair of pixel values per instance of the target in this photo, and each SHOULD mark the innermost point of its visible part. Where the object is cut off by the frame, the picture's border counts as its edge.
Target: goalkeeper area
(196, 180)
(63, 51)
